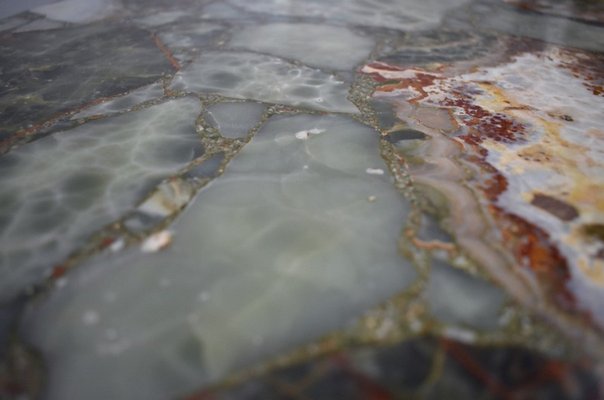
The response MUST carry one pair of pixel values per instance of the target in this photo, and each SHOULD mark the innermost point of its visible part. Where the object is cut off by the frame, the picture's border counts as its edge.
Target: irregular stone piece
(586, 11)
(224, 11)
(279, 250)
(17, 10)
(161, 18)
(59, 189)
(47, 73)
(384, 113)
(404, 134)
(78, 11)
(558, 208)
(313, 44)
(395, 14)
(169, 198)
(245, 75)
(185, 39)
(154, 12)
(41, 24)
(497, 16)
(210, 168)
(156, 242)
(188, 34)
(234, 120)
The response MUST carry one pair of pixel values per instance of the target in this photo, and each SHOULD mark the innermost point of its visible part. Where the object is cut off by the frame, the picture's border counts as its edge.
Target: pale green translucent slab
(284, 247)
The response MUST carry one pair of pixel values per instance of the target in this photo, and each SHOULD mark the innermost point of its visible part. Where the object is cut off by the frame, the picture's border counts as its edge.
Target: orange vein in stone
(166, 51)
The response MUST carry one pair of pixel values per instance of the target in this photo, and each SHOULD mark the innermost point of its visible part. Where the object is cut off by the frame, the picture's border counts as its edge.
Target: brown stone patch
(556, 207)
(596, 231)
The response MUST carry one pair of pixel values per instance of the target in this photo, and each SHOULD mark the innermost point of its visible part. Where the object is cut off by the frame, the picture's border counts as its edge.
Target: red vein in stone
(166, 52)
(465, 360)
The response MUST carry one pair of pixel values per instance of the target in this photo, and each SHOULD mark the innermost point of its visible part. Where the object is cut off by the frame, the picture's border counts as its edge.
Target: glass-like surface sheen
(288, 199)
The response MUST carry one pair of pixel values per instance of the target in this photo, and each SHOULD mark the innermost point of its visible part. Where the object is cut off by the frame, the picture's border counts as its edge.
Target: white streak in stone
(157, 242)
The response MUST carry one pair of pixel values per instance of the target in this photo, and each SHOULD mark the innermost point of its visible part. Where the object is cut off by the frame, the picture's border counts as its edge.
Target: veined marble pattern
(46, 74)
(293, 199)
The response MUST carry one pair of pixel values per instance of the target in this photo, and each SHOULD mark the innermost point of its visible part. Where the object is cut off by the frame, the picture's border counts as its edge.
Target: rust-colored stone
(532, 249)
(58, 271)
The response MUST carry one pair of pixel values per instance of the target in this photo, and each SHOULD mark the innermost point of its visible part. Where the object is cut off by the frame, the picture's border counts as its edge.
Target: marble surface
(220, 116)
(61, 188)
(354, 199)
(284, 247)
(42, 80)
(247, 75)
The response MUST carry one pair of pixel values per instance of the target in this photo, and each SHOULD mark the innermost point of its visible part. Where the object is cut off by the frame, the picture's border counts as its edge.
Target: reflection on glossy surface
(302, 199)
(245, 75)
(59, 189)
(282, 248)
(312, 44)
